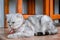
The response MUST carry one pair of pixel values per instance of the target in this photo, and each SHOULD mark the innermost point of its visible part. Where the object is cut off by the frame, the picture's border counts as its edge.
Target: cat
(32, 25)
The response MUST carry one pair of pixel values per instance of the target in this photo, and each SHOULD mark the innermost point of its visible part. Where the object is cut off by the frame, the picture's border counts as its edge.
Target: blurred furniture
(48, 8)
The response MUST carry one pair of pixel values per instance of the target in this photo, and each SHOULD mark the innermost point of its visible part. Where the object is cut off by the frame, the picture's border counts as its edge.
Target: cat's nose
(9, 25)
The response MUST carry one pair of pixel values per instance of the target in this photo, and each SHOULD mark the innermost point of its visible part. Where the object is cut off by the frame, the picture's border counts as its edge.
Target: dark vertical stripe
(59, 10)
(44, 6)
(54, 6)
(59, 6)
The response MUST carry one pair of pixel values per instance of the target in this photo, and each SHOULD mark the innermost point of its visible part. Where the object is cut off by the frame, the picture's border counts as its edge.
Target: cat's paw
(10, 36)
(43, 33)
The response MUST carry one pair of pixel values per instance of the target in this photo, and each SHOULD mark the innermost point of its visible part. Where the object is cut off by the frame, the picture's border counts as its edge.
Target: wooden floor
(3, 34)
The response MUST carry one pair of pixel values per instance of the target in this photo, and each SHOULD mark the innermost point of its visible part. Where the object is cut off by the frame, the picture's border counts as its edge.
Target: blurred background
(38, 8)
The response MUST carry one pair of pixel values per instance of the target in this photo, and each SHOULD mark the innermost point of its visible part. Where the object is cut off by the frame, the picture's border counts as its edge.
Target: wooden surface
(6, 11)
(52, 14)
(31, 7)
(46, 7)
(19, 6)
(47, 37)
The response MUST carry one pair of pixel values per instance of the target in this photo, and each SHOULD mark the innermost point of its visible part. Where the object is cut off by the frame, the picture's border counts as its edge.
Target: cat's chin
(16, 28)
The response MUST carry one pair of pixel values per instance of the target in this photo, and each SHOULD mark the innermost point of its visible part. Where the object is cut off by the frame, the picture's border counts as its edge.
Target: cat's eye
(13, 22)
(8, 22)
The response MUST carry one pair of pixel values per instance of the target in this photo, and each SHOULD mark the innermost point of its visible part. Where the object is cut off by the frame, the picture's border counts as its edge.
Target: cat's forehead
(14, 17)
(11, 18)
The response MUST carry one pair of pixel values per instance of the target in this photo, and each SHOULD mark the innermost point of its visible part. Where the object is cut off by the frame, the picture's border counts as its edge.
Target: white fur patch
(27, 28)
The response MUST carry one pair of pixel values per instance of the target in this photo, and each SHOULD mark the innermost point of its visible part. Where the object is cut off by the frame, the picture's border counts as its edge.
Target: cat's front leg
(10, 36)
(43, 29)
(15, 35)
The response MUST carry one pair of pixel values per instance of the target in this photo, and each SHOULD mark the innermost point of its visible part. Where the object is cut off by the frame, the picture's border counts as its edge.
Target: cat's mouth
(12, 31)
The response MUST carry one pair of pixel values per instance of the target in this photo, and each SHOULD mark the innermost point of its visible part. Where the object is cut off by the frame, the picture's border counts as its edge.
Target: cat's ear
(18, 15)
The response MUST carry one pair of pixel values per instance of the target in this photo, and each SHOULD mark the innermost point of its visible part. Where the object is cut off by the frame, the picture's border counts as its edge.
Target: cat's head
(14, 20)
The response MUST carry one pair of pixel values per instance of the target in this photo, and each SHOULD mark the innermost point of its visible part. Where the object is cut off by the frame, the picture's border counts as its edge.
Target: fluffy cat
(30, 26)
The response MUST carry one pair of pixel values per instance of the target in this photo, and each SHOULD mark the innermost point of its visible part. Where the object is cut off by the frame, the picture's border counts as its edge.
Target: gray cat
(30, 26)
